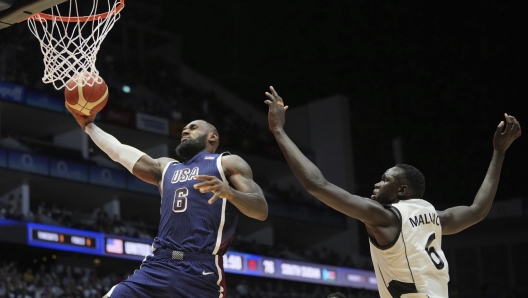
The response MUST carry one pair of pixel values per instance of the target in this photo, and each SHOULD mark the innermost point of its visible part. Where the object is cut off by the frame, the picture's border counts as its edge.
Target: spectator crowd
(65, 281)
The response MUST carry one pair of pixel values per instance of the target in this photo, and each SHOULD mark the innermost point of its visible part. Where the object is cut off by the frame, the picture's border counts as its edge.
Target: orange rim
(44, 16)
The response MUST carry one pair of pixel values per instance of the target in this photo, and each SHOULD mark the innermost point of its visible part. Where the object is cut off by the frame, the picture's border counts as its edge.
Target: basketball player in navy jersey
(196, 227)
(405, 231)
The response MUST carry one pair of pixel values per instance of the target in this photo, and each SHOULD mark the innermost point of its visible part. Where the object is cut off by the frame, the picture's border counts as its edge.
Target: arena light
(126, 88)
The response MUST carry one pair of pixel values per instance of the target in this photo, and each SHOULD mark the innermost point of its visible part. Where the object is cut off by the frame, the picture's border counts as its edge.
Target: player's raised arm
(368, 211)
(246, 195)
(456, 219)
(137, 162)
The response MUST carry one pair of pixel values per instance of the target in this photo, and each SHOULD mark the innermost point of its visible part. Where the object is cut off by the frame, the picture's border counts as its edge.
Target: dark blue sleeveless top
(188, 223)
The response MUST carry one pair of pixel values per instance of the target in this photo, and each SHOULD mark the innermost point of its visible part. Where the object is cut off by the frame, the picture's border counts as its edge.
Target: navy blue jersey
(162, 278)
(188, 223)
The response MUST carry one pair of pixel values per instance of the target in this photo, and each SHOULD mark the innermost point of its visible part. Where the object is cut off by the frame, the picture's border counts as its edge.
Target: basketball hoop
(70, 41)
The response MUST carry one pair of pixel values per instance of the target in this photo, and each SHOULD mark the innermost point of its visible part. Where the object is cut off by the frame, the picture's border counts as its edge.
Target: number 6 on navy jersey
(180, 200)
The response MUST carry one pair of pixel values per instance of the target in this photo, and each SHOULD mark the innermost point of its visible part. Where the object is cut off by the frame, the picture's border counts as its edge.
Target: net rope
(70, 43)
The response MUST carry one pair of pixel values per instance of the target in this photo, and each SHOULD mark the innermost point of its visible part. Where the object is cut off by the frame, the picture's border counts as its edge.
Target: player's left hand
(506, 133)
(219, 188)
(277, 110)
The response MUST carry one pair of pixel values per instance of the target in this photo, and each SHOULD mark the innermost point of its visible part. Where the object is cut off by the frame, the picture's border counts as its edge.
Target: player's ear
(403, 190)
(213, 137)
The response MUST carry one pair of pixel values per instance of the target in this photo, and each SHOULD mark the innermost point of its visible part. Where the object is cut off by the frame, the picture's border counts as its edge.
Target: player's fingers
(508, 121)
(500, 127)
(203, 177)
(274, 99)
(214, 198)
(198, 185)
(67, 106)
(268, 102)
(513, 122)
(205, 184)
(75, 115)
(286, 108)
(202, 184)
(275, 93)
(205, 189)
(279, 101)
(271, 97)
(516, 129)
(512, 127)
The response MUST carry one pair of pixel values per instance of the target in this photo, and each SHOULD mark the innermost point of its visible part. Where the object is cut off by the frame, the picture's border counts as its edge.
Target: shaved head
(211, 128)
(207, 127)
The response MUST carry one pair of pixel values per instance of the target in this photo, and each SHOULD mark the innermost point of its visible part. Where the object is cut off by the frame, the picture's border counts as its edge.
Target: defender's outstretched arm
(456, 219)
(368, 211)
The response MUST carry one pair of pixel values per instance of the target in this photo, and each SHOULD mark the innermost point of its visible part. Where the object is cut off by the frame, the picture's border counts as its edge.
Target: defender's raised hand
(506, 133)
(277, 110)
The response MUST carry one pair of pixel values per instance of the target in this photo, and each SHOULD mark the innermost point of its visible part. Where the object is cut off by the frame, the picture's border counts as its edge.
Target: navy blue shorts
(197, 275)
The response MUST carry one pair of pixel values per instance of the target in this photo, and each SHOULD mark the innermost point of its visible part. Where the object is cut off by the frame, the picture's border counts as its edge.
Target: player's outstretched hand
(506, 133)
(219, 188)
(277, 110)
(81, 119)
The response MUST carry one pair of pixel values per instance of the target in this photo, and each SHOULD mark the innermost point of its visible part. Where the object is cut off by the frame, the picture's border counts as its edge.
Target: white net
(70, 41)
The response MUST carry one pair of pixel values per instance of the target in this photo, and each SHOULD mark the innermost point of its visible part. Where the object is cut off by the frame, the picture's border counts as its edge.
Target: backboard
(15, 11)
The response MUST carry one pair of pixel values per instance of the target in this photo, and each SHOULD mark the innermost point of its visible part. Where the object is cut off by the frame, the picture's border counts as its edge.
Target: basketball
(86, 93)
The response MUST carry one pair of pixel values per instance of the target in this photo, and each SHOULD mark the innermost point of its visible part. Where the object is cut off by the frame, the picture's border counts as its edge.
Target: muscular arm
(150, 170)
(246, 195)
(459, 218)
(138, 163)
(368, 211)
(456, 219)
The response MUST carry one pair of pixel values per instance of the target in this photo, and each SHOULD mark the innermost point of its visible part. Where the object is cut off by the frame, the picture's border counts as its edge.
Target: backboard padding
(22, 9)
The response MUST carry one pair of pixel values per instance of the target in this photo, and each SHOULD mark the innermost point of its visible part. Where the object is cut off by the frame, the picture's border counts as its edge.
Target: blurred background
(369, 85)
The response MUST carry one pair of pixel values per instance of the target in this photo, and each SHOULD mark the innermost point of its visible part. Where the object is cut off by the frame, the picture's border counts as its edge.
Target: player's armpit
(457, 219)
(150, 170)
